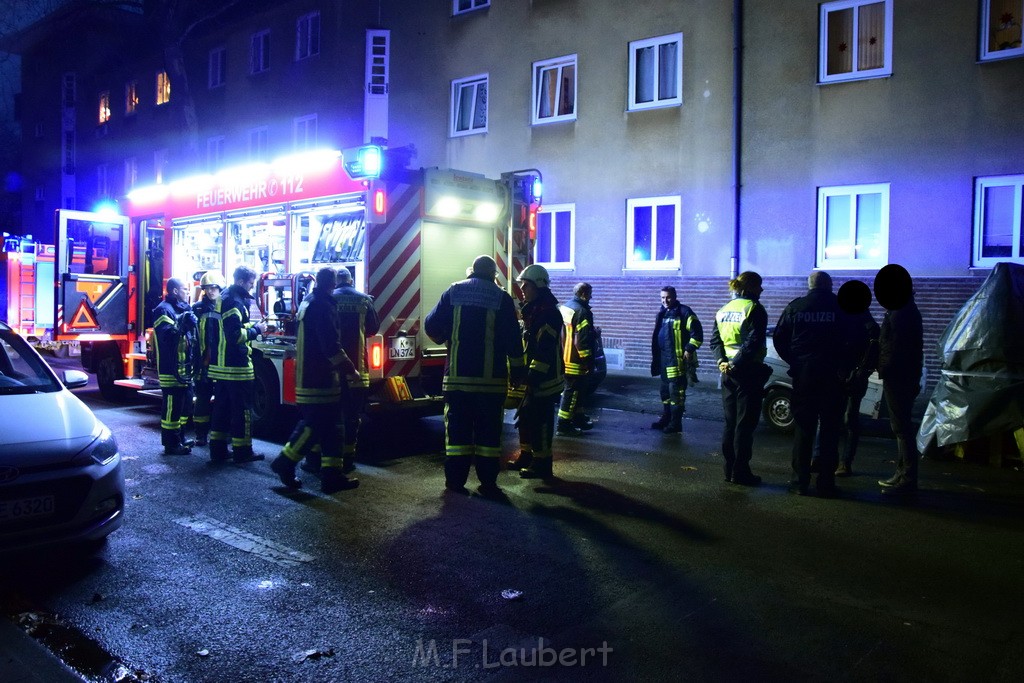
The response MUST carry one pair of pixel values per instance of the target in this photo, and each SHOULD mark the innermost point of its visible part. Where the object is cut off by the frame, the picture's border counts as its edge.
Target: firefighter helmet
(536, 274)
(211, 279)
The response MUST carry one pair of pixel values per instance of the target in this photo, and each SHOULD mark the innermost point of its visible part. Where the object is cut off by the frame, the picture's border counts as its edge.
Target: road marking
(245, 541)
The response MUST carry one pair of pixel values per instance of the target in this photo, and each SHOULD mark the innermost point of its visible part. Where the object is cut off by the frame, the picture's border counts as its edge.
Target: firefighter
(477, 321)
(676, 338)
(174, 327)
(211, 284)
(739, 342)
(579, 349)
(542, 326)
(321, 366)
(358, 319)
(232, 371)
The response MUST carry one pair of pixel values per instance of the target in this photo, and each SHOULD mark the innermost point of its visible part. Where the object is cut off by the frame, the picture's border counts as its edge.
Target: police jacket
(175, 340)
(813, 336)
(204, 310)
(231, 358)
(740, 337)
(676, 330)
(580, 338)
(357, 318)
(477, 320)
(900, 345)
(542, 325)
(318, 351)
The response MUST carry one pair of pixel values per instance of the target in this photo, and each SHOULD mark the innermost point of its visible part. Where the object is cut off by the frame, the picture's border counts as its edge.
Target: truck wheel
(778, 409)
(266, 400)
(108, 371)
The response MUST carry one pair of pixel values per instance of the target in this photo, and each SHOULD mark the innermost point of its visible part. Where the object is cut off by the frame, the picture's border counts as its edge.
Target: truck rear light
(375, 356)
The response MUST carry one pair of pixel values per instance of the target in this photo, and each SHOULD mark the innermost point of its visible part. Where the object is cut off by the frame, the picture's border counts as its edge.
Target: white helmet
(536, 274)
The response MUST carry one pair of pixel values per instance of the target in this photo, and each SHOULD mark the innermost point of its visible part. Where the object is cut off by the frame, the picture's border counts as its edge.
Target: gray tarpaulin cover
(981, 386)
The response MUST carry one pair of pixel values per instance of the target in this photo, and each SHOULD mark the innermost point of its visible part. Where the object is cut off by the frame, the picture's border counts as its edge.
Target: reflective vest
(579, 337)
(731, 320)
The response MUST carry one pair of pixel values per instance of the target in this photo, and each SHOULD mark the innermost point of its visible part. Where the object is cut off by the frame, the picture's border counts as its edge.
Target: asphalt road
(638, 563)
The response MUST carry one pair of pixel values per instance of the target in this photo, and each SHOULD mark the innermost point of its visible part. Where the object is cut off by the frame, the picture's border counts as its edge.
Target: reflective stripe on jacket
(676, 330)
(171, 346)
(358, 319)
(232, 359)
(542, 333)
(318, 351)
(740, 333)
(579, 337)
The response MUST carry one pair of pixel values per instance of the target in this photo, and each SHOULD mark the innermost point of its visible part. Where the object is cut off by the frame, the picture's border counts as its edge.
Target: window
(104, 106)
(855, 40)
(652, 232)
(163, 88)
(555, 245)
(1001, 28)
(214, 152)
(216, 67)
(554, 90)
(656, 72)
(307, 36)
(102, 184)
(258, 144)
(853, 226)
(131, 97)
(469, 105)
(305, 132)
(259, 54)
(131, 174)
(463, 6)
(159, 165)
(997, 220)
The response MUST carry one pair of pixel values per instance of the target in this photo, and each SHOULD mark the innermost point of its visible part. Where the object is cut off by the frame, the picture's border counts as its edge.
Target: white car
(61, 480)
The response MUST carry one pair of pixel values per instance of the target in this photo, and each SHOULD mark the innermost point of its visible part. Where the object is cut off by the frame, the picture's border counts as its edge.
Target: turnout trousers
(472, 430)
(232, 415)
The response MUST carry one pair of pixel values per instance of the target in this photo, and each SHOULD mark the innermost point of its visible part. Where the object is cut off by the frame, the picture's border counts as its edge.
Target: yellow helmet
(212, 279)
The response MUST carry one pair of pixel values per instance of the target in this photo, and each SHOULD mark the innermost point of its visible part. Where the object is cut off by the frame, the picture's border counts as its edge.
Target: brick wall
(625, 308)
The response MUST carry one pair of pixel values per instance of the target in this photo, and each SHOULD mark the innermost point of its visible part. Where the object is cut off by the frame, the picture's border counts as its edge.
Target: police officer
(812, 337)
(174, 327)
(321, 365)
(579, 349)
(542, 328)
(739, 342)
(676, 338)
(232, 371)
(477, 321)
(211, 284)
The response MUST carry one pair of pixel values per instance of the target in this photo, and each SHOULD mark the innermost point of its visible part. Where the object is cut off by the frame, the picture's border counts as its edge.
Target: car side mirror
(74, 379)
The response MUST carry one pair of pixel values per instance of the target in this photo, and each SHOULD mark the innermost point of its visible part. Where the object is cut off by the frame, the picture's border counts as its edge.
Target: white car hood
(41, 429)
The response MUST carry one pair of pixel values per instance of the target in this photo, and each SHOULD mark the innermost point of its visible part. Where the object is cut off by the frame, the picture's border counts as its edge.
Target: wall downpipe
(737, 128)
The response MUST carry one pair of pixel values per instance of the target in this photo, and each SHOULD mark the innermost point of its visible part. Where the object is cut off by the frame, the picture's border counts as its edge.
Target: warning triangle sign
(83, 318)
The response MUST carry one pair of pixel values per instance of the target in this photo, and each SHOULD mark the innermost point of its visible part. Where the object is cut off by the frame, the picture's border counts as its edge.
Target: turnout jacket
(358, 319)
(208, 313)
(231, 357)
(813, 335)
(542, 326)
(318, 350)
(579, 337)
(900, 345)
(740, 336)
(477, 320)
(174, 342)
(676, 330)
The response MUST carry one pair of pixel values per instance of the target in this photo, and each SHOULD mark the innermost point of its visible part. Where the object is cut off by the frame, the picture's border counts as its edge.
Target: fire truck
(26, 285)
(405, 234)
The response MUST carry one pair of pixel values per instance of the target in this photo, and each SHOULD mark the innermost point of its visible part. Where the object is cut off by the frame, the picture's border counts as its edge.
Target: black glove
(187, 322)
(655, 369)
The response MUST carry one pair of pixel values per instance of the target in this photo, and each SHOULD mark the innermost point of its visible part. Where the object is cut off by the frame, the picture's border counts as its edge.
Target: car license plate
(401, 348)
(39, 506)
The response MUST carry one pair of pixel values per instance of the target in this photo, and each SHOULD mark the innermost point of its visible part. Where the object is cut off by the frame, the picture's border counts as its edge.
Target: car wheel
(108, 371)
(778, 408)
(266, 400)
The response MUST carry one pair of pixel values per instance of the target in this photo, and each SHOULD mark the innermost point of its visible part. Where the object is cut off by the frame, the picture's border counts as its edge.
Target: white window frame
(852, 191)
(131, 97)
(307, 36)
(259, 52)
(103, 180)
(634, 46)
(131, 174)
(1005, 53)
(557, 64)
(545, 259)
(214, 152)
(633, 263)
(856, 74)
(104, 107)
(259, 144)
(301, 127)
(459, 86)
(473, 6)
(163, 88)
(1016, 251)
(216, 67)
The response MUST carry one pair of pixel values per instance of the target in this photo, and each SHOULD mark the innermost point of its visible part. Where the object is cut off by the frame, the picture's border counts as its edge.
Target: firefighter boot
(666, 415)
(202, 435)
(312, 462)
(172, 443)
(539, 469)
(456, 472)
(675, 423)
(332, 480)
(244, 454)
(219, 451)
(523, 461)
(487, 472)
(348, 464)
(284, 468)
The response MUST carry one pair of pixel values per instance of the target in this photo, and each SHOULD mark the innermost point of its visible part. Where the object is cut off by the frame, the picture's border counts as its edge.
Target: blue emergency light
(363, 162)
(537, 190)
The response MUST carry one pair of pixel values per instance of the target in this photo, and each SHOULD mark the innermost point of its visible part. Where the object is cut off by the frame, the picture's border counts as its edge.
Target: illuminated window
(998, 207)
(855, 40)
(307, 36)
(216, 67)
(656, 72)
(131, 174)
(259, 52)
(304, 128)
(1001, 28)
(214, 152)
(258, 150)
(853, 226)
(104, 106)
(163, 88)
(652, 232)
(131, 97)
(556, 236)
(463, 6)
(469, 105)
(554, 90)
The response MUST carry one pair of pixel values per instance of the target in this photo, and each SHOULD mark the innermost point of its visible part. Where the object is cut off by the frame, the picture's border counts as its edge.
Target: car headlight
(103, 449)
